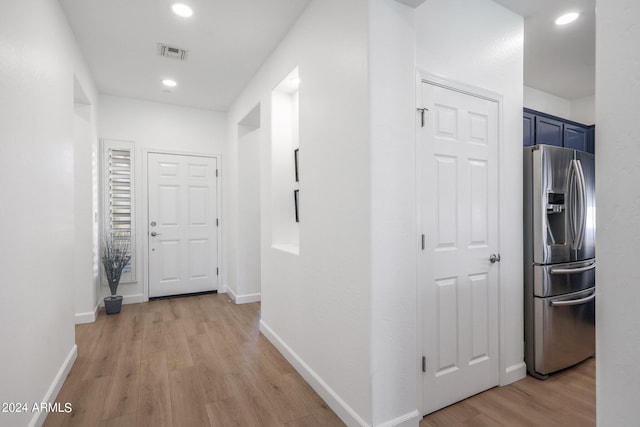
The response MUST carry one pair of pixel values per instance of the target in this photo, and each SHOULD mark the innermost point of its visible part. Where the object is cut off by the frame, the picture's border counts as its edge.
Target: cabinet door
(548, 131)
(528, 129)
(575, 137)
(591, 136)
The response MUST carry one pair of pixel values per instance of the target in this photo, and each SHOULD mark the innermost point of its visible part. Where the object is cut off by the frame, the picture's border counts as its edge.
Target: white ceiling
(227, 41)
(558, 60)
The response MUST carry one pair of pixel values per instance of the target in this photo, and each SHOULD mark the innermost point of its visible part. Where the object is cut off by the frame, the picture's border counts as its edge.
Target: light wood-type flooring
(565, 399)
(185, 362)
(201, 361)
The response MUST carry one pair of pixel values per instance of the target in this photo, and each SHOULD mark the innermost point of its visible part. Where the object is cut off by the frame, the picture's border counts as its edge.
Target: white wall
(617, 195)
(247, 288)
(315, 305)
(394, 353)
(158, 126)
(582, 110)
(85, 209)
(481, 43)
(547, 103)
(39, 61)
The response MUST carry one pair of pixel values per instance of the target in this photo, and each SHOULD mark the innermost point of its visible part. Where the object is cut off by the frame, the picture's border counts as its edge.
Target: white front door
(183, 243)
(458, 200)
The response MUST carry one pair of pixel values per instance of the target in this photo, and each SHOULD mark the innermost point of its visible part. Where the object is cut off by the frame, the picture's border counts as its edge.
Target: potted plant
(116, 254)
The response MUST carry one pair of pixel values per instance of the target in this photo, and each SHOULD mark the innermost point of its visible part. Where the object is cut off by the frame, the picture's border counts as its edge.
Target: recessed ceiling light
(169, 83)
(567, 18)
(182, 9)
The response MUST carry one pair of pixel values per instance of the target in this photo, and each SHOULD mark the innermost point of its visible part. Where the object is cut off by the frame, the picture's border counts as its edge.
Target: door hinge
(423, 242)
(216, 172)
(217, 271)
(424, 364)
(216, 222)
(422, 110)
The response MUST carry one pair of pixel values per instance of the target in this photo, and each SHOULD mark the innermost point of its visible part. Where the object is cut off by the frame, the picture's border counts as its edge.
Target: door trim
(507, 374)
(144, 224)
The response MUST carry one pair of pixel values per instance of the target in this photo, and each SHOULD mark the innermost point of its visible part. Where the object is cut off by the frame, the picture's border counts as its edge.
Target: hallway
(192, 361)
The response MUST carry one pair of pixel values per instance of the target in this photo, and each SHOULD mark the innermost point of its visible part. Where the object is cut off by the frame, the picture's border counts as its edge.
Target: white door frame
(144, 226)
(451, 84)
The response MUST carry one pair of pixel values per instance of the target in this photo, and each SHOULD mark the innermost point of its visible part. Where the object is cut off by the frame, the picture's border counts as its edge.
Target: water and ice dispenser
(556, 221)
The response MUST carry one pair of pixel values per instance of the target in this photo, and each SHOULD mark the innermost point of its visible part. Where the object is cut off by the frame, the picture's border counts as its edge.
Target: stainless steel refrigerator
(559, 258)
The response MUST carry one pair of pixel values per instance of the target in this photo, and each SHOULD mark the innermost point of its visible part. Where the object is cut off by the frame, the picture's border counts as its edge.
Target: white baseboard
(248, 298)
(412, 419)
(231, 294)
(244, 298)
(89, 316)
(513, 373)
(335, 402)
(56, 385)
(134, 299)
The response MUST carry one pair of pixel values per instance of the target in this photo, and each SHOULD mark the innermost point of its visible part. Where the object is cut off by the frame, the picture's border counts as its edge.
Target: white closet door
(458, 162)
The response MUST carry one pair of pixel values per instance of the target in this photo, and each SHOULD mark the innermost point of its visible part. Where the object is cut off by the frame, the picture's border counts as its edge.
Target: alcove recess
(285, 232)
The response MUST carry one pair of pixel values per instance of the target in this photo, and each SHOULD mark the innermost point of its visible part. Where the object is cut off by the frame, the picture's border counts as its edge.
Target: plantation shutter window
(119, 199)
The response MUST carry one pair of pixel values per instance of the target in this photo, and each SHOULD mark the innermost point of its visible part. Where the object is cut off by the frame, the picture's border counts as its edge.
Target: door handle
(494, 258)
(154, 234)
(572, 270)
(574, 301)
(583, 204)
(572, 204)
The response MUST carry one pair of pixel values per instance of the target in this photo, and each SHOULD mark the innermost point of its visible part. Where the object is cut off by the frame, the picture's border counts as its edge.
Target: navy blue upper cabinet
(528, 129)
(548, 131)
(542, 128)
(575, 137)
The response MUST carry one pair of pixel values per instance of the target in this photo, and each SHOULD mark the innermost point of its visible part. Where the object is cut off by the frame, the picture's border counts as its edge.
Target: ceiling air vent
(172, 52)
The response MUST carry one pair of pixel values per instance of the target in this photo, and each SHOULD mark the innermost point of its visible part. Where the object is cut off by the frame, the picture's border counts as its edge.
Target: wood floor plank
(128, 420)
(226, 413)
(187, 402)
(308, 421)
(209, 369)
(326, 417)
(152, 334)
(87, 399)
(154, 399)
(179, 356)
(257, 409)
(122, 396)
(101, 358)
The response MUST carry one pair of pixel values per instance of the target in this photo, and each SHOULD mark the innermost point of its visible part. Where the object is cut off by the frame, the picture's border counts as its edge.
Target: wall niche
(285, 174)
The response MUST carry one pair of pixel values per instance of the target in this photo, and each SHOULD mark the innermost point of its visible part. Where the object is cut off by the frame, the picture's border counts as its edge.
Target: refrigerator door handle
(574, 301)
(582, 192)
(572, 270)
(571, 205)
